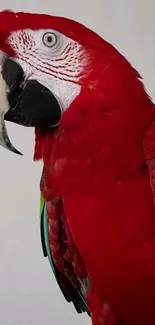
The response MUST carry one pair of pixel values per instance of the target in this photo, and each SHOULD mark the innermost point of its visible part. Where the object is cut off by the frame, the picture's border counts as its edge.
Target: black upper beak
(30, 103)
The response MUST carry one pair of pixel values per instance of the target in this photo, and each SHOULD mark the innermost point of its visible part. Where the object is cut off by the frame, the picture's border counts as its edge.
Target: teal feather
(70, 293)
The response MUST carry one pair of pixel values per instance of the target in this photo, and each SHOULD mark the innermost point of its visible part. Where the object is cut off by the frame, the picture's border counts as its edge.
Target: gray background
(28, 292)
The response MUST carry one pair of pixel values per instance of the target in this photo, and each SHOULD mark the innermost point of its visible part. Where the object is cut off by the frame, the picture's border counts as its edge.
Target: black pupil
(49, 39)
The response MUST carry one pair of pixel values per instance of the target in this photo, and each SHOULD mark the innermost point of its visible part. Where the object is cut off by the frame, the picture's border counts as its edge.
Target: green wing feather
(70, 293)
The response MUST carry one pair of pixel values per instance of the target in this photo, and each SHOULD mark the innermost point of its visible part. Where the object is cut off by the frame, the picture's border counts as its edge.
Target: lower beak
(29, 103)
(4, 139)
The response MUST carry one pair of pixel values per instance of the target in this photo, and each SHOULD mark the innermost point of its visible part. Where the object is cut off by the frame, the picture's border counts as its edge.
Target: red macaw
(95, 132)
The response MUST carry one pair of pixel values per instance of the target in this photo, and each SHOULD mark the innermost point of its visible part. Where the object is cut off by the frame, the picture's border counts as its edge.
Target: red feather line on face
(70, 56)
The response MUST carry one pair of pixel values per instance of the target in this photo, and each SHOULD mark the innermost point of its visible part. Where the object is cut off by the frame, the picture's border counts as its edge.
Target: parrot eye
(49, 39)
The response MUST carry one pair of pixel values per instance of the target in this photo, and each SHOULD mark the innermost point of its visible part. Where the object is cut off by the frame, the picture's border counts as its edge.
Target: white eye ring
(49, 39)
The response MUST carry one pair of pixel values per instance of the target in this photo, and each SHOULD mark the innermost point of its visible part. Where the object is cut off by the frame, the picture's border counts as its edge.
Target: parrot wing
(70, 293)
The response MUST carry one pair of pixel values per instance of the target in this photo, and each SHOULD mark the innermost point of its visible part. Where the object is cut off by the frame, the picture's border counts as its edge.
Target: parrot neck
(114, 116)
(43, 143)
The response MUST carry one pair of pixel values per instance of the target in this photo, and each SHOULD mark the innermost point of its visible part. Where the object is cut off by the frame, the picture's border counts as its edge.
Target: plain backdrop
(29, 294)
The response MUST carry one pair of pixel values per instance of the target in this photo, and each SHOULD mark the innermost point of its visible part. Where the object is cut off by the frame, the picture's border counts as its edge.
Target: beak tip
(4, 139)
(17, 152)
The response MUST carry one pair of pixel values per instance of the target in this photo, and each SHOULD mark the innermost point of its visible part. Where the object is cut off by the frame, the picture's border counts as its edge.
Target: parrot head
(45, 62)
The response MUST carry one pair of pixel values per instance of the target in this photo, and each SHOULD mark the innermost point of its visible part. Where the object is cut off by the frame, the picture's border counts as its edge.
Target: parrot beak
(24, 102)
(4, 107)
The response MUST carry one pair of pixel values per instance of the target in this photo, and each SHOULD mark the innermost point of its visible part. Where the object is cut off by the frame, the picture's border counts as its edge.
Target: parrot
(94, 125)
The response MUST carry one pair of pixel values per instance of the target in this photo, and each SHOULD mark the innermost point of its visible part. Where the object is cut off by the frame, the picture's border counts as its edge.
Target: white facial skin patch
(54, 60)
